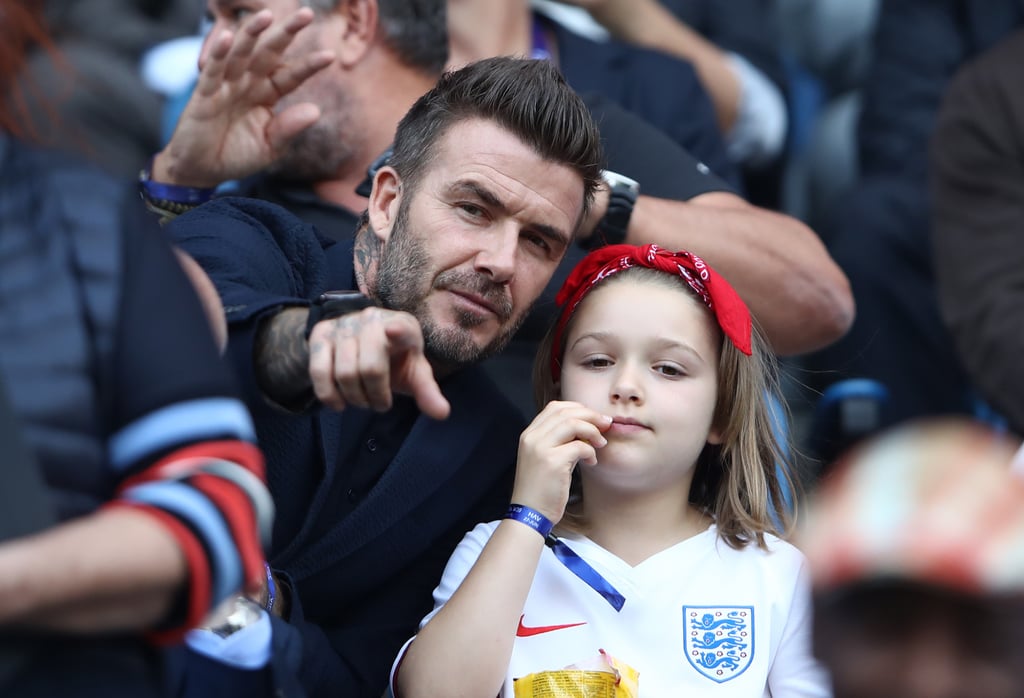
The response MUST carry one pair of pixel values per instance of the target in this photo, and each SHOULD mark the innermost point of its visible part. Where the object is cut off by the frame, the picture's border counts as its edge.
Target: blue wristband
(271, 589)
(189, 196)
(531, 517)
(169, 200)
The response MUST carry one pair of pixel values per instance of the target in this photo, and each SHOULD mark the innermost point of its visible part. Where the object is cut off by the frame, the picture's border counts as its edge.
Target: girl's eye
(669, 370)
(597, 362)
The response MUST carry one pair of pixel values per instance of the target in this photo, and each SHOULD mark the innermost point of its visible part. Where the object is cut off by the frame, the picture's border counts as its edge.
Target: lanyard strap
(582, 569)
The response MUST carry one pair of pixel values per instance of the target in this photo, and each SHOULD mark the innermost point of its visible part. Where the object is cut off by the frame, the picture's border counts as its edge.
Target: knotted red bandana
(716, 293)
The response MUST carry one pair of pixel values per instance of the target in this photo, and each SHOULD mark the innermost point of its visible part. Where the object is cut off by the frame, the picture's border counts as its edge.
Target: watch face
(233, 615)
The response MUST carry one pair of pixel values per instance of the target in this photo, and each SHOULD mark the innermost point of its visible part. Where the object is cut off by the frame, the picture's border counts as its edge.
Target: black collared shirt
(330, 220)
(362, 465)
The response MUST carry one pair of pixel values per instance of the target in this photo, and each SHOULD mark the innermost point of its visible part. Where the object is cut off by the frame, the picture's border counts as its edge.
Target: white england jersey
(700, 618)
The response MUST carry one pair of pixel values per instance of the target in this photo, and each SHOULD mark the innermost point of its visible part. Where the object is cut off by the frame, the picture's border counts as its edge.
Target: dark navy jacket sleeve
(258, 255)
(261, 258)
(918, 45)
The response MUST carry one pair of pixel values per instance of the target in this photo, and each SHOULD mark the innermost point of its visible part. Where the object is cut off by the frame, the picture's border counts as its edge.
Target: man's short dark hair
(527, 97)
(416, 30)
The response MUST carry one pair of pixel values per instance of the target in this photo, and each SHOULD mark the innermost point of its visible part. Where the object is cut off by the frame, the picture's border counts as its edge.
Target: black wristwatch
(612, 228)
(335, 304)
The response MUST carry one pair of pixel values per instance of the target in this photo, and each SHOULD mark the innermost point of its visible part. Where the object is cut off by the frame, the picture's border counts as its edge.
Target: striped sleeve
(195, 466)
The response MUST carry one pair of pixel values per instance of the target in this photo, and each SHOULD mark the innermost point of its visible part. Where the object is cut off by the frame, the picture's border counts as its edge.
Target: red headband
(716, 293)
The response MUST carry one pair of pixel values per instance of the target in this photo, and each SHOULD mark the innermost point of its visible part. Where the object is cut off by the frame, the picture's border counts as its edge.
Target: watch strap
(614, 225)
(334, 304)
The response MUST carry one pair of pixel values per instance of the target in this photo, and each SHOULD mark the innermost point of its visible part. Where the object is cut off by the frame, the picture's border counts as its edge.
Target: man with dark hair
(493, 173)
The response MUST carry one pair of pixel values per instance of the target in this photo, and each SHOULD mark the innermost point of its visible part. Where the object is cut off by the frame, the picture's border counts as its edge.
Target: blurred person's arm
(208, 297)
(181, 528)
(230, 128)
(127, 579)
(647, 23)
(750, 108)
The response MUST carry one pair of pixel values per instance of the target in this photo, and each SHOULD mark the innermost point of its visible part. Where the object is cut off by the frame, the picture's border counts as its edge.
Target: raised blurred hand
(230, 127)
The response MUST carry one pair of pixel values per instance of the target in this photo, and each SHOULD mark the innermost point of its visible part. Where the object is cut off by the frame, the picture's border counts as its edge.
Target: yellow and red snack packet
(601, 677)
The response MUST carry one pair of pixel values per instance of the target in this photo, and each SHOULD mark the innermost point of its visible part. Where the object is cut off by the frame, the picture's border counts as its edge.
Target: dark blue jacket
(362, 582)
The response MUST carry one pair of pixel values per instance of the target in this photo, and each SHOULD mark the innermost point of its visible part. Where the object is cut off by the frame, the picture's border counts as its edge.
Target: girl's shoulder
(779, 546)
(777, 553)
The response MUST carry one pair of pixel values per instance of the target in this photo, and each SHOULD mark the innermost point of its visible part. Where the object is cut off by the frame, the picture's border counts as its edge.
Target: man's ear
(385, 198)
(358, 29)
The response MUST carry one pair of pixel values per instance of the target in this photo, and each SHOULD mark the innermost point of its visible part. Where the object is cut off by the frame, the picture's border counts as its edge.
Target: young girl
(667, 559)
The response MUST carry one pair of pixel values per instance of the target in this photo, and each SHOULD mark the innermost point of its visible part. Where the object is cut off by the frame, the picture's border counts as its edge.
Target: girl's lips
(627, 426)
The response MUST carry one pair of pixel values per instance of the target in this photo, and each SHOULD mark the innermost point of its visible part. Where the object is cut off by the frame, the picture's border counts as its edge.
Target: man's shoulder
(994, 74)
(245, 209)
(637, 149)
(252, 227)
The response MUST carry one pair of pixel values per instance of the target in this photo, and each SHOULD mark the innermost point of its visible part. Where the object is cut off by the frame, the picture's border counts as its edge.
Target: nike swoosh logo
(525, 631)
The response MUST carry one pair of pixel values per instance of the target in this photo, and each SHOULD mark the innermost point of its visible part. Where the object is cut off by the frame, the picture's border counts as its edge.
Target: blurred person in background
(976, 173)
(136, 503)
(734, 48)
(879, 231)
(916, 548)
(93, 98)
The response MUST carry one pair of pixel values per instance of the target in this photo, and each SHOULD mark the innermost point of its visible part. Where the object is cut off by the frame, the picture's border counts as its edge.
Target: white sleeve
(762, 119)
(247, 648)
(459, 564)
(795, 673)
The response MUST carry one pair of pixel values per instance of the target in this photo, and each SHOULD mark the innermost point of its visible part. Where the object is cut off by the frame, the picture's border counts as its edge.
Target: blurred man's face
(922, 643)
(324, 150)
(472, 247)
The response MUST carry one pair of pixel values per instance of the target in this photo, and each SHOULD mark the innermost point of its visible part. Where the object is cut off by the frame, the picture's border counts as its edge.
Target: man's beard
(321, 151)
(400, 280)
